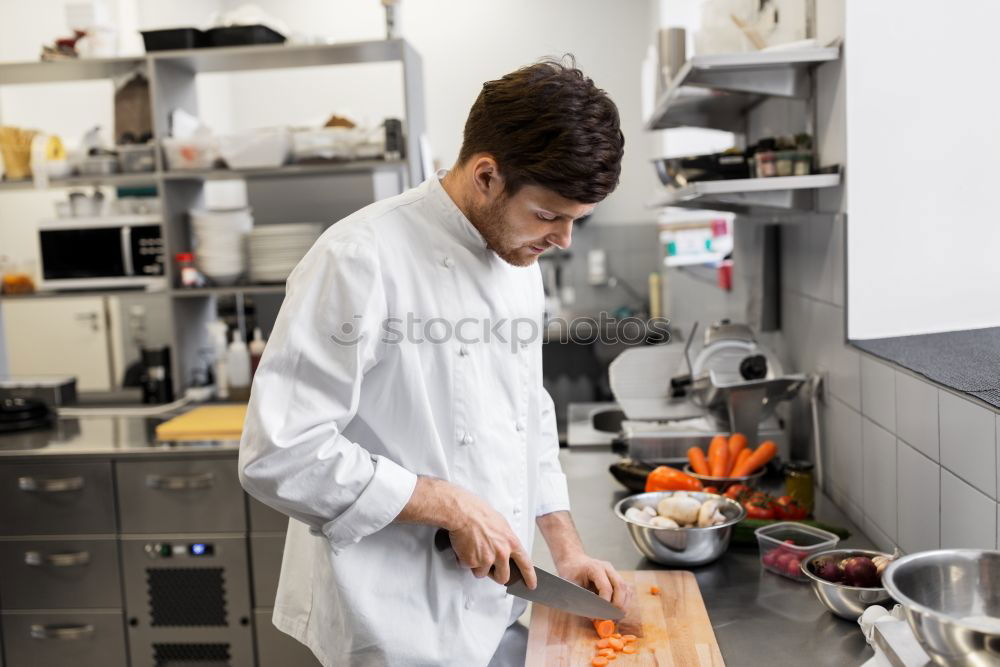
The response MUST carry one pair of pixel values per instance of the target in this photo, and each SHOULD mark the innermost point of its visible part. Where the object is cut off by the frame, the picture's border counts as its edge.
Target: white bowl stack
(276, 249)
(220, 243)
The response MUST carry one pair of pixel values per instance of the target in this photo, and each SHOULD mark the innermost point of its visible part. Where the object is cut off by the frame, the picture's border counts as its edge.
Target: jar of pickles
(799, 483)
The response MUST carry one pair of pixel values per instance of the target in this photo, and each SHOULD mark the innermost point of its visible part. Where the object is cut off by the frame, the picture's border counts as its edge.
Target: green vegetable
(743, 532)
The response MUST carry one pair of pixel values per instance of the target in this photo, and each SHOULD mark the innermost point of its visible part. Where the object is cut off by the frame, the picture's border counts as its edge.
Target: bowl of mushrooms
(680, 528)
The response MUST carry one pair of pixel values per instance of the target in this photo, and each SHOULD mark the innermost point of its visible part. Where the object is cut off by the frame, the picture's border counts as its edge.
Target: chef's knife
(552, 591)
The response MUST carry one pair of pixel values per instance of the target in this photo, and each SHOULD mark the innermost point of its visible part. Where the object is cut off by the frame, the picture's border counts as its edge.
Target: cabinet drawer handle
(180, 482)
(65, 559)
(61, 631)
(51, 484)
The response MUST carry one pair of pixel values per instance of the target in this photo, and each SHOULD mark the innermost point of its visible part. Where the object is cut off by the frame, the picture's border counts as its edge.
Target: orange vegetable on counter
(604, 628)
(718, 456)
(759, 458)
(740, 459)
(655, 590)
(599, 661)
(737, 443)
(696, 458)
(665, 478)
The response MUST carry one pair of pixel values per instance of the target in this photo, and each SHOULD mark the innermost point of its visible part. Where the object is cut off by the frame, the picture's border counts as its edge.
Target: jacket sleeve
(293, 454)
(553, 493)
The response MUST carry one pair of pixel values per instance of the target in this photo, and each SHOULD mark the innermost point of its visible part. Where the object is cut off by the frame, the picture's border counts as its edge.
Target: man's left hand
(599, 576)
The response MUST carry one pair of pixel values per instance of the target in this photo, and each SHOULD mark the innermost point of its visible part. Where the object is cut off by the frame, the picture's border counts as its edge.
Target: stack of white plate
(276, 249)
(220, 243)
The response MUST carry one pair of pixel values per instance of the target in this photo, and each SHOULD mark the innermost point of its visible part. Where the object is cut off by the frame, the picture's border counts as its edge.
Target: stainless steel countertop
(759, 618)
(108, 437)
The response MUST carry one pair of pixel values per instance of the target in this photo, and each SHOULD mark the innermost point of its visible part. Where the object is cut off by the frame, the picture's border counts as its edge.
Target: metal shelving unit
(716, 91)
(172, 76)
(758, 197)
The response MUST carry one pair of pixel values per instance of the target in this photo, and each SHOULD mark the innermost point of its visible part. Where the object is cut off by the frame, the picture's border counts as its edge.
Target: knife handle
(442, 541)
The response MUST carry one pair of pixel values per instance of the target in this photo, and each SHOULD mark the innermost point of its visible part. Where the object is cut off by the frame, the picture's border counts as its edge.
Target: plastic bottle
(256, 350)
(217, 334)
(238, 368)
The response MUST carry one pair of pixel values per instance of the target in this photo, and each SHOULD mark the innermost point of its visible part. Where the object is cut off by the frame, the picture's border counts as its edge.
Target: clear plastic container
(197, 152)
(783, 546)
(136, 158)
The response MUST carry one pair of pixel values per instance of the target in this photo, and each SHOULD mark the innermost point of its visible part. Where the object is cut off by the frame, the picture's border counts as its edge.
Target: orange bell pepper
(665, 478)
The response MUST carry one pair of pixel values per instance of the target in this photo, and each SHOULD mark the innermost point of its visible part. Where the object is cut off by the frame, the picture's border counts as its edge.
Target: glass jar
(185, 267)
(799, 483)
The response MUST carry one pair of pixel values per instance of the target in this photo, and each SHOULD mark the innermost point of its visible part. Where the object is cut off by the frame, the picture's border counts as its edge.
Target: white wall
(922, 142)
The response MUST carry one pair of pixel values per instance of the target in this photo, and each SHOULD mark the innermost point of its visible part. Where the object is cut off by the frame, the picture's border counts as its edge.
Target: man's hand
(481, 537)
(599, 576)
(573, 563)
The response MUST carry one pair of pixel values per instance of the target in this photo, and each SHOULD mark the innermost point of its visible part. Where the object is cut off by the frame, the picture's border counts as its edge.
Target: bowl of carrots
(729, 461)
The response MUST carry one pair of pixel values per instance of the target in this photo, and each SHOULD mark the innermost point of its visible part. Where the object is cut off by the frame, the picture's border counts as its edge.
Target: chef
(401, 393)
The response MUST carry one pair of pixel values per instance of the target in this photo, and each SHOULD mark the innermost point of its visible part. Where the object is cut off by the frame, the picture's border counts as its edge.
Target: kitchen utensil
(723, 483)
(845, 601)
(276, 249)
(52, 390)
(136, 158)
(209, 422)
(22, 414)
(219, 237)
(99, 165)
(680, 547)
(952, 602)
(674, 625)
(551, 591)
(15, 149)
(806, 540)
(174, 38)
(244, 35)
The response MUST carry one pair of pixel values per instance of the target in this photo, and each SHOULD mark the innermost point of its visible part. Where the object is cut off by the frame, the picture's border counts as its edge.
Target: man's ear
(487, 181)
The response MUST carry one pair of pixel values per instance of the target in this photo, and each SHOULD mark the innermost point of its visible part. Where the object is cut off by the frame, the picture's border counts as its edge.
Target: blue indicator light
(197, 549)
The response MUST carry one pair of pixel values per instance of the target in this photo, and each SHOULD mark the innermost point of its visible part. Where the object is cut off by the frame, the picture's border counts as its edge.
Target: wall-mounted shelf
(715, 91)
(760, 197)
(354, 167)
(201, 292)
(47, 294)
(114, 180)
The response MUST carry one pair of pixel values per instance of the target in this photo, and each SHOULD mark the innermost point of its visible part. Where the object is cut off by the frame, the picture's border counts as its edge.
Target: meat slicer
(674, 398)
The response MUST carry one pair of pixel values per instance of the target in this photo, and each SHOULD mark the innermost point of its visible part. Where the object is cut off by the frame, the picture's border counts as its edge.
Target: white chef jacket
(337, 431)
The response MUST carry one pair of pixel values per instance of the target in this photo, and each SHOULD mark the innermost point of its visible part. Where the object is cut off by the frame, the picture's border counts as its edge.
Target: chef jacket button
(448, 263)
(517, 511)
(524, 345)
(468, 603)
(468, 439)
(519, 425)
(463, 351)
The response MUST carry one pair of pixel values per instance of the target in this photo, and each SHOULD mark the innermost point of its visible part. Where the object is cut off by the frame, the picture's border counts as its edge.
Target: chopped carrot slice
(599, 661)
(655, 590)
(629, 638)
(606, 652)
(616, 644)
(617, 635)
(604, 628)
(603, 643)
(629, 649)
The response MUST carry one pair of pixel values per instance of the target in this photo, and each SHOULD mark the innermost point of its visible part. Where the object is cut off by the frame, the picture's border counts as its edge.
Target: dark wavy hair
(549, 125)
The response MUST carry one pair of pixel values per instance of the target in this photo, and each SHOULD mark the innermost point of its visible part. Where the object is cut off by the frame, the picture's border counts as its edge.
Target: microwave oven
(100, 254)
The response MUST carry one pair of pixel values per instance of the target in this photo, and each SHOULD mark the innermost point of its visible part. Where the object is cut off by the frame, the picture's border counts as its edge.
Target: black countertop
(759, 618)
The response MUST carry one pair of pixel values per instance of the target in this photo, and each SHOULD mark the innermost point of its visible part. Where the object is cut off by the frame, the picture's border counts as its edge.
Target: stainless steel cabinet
(274, 647)
(59, 574)
(78, 638)
(56, 498)
(190, 496)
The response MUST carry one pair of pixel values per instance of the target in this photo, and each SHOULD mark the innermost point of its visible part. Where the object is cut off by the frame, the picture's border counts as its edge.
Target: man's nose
(562, 236)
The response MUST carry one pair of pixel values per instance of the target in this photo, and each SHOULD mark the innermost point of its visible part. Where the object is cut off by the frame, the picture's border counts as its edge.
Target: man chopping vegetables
(401, 393)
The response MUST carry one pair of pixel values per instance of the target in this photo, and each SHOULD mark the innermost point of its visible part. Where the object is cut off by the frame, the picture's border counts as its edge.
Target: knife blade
(551, 591)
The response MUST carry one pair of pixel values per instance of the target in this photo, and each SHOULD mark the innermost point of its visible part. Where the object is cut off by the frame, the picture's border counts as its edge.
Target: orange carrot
(606, 652)
(696, 458)
(740, 458)
(604, 628)
(613, 656)
(629, 638)
(629, 649)
(599, 661)
(617, 644)
(737, 443)
(617, 635)
(718, 456)
(603, 643)
(655, 590)
(761, 456)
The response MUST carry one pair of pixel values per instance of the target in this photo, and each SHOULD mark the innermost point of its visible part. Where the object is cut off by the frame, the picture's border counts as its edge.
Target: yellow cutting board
(209, 422)
(673, 628)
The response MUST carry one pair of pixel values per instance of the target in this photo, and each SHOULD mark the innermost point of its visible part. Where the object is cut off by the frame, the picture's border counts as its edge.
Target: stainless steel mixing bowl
(681, 547)
(952, 602)
(845, 601)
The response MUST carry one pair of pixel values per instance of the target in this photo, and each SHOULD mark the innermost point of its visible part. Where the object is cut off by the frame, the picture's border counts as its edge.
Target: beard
(491, 221)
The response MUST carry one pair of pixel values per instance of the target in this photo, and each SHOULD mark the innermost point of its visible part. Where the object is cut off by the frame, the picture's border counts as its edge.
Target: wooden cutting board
(209, 422)
(676, 631)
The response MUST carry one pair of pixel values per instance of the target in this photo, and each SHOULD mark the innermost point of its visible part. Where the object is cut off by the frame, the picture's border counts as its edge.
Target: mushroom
(709, 514)
(663, 522)
(882, 562)
(681, 508)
